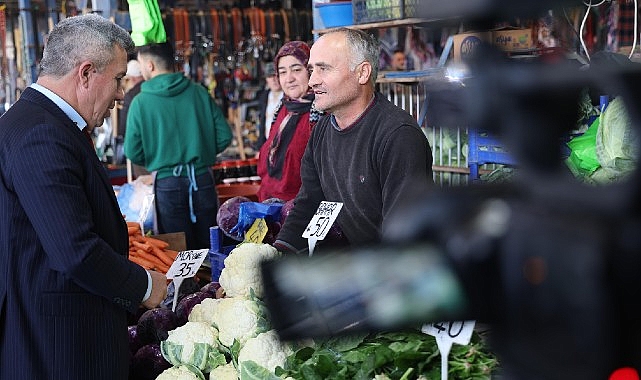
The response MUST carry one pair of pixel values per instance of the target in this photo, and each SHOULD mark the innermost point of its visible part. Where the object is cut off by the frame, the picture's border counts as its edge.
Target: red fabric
(288, 185)
(87, 134)
(626, 23)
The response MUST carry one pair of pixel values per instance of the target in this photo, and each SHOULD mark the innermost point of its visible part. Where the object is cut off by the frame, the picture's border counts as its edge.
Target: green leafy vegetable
(402, 355)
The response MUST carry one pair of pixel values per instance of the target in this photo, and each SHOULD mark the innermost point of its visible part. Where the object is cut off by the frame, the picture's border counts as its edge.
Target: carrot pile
(149, 252)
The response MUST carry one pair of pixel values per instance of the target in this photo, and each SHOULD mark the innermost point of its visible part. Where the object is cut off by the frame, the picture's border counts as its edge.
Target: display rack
(380, 24)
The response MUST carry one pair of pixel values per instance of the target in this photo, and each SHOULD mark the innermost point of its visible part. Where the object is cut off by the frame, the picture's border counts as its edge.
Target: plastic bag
(130, 200)
(146, 22)
(583, 160)
(250, 211)
(607, 152)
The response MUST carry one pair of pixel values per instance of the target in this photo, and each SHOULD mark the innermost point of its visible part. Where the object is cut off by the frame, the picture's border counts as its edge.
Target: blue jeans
(173, 210)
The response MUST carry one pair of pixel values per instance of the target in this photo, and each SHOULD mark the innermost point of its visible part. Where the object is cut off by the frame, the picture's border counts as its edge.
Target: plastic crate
(336, 13)
(365, 11)
(484, 149)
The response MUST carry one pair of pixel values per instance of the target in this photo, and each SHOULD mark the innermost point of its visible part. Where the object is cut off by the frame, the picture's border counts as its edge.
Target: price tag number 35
(185, 269)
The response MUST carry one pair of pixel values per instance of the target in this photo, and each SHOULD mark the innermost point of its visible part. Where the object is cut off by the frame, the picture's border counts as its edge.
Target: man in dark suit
(65, 281)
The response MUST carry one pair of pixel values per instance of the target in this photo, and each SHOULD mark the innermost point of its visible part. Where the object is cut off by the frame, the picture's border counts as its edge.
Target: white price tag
(322, 220)
(321, 223)
(446, 334)
(186, 265)
(147, 202)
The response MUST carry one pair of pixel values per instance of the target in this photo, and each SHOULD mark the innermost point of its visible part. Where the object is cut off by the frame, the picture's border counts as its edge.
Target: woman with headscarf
(280, 156)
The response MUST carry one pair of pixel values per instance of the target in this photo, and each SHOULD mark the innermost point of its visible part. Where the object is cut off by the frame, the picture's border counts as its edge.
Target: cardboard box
(512, 39)
(464, 44)
(176, 240)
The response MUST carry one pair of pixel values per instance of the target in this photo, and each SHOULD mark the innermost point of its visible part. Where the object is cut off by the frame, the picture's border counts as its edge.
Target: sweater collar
(358, 119)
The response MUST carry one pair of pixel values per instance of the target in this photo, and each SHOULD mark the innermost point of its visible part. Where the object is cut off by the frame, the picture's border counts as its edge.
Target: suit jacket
(65, 281)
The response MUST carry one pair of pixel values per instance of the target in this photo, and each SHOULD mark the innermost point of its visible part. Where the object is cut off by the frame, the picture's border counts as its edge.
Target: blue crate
(217, 261)
(336, 13)
(484, 149)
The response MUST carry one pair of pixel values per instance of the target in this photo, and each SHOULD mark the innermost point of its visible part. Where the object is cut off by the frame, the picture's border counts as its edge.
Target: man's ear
(364, 72)
(85, 71)
(149, 64)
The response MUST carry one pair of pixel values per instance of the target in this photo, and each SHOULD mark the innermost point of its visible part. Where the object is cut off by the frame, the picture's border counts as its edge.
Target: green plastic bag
(583, 160)
(146, 22)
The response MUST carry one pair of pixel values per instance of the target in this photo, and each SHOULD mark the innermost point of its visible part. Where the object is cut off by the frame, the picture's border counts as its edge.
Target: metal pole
(12, 82)
(29, 52)
(53, 13)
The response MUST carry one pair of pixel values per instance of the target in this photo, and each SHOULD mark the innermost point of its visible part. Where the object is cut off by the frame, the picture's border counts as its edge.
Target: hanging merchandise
(3, 38)
(146, 22)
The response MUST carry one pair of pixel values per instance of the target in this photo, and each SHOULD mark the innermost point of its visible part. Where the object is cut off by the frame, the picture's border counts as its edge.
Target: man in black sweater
(366, 152)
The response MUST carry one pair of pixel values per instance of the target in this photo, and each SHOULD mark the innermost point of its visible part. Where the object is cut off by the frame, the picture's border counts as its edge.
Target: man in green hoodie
(175, 129)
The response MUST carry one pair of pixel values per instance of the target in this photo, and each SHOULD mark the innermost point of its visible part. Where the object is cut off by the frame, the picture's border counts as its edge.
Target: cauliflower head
(194, 343)
(242, 269)
(266, 350)
(224, 372)
(182, 372)
(239, 319)
(204, 311)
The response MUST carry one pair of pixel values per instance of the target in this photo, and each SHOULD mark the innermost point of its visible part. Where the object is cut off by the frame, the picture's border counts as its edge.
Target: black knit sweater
(368, 166)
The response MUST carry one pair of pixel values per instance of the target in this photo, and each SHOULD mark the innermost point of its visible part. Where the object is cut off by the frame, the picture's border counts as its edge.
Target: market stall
(217, 325)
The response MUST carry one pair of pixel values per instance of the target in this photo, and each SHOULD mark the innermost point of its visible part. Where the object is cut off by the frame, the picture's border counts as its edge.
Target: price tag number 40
(459, 332)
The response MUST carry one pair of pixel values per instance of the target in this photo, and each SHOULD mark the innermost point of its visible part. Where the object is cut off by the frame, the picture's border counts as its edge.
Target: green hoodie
(174, 121)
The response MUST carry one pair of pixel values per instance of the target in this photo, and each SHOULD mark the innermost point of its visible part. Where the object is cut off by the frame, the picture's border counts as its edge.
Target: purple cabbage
(227, 216)
(154, 324)
(134, 339)
(211, 288)
(287, 207)
(184, 306)
(147, 363)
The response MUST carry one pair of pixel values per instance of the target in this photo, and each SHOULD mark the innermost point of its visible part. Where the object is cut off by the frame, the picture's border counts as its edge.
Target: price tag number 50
(322, 221)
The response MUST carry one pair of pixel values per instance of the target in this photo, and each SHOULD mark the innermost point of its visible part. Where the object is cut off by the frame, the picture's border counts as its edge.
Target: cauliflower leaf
(196, 344)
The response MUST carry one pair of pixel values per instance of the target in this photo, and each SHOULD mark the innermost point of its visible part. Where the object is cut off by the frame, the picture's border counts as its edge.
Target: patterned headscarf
(299, 49)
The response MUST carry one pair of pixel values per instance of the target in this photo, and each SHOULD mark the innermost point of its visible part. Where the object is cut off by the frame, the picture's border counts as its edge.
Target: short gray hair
(363, 47)
(78, 38)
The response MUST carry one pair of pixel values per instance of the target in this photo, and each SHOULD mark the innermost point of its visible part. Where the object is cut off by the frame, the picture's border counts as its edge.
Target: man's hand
(158, 290)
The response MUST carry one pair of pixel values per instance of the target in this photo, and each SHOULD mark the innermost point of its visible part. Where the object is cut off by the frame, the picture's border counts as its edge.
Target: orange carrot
(171, 253)
(144, 246)
(161, 255)
(133, 230)
(157, 263)
(140, 261)
(156, 242)
(138, 237)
